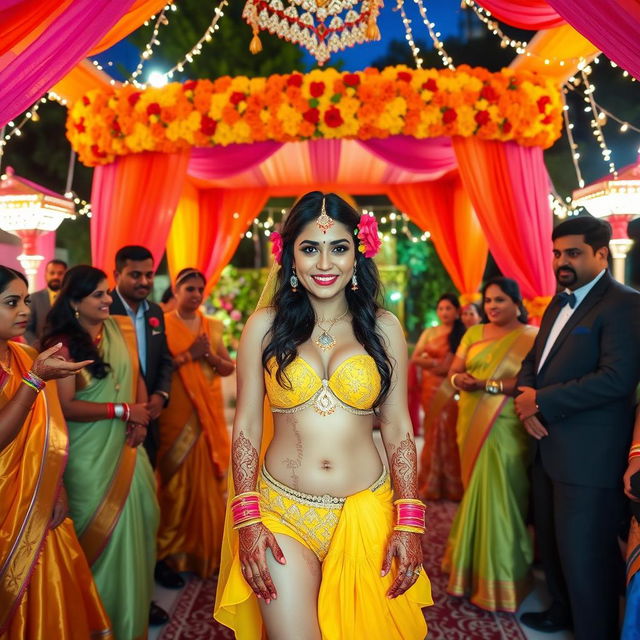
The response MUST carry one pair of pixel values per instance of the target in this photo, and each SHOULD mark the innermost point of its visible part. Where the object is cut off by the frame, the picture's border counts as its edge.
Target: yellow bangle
(409, 501)
(247, 523)
(452, 382)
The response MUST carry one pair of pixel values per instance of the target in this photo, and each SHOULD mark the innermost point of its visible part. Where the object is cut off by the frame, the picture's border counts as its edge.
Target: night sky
(445, 14)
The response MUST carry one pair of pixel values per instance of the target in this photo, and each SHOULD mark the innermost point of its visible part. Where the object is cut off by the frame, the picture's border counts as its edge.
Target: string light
(572, 144)
(31, 115)
(447, 60)
(196, 50)
(148, 49)
(597, 120)
(415, 51)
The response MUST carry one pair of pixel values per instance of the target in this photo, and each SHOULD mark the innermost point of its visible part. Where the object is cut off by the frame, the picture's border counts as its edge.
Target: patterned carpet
(449, 619)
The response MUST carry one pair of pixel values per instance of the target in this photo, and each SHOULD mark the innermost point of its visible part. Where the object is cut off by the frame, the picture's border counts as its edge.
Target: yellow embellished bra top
(353, 386)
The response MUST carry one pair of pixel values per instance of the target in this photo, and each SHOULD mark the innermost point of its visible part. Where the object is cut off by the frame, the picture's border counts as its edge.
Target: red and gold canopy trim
(507, 105)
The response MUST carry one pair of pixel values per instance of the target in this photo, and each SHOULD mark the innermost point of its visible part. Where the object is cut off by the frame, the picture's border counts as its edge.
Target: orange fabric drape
(84, 77)
(508, 187)
(134, 201)
(208, 227)
(140, 11)
(443, 208)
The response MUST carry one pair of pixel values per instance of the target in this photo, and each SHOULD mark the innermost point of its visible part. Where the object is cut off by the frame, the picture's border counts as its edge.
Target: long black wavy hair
(458, 329)
(7, 275)
(510, 288)
(294, 316)
(62, 325)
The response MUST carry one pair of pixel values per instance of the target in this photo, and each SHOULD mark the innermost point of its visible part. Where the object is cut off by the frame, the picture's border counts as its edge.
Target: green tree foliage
(227, 53)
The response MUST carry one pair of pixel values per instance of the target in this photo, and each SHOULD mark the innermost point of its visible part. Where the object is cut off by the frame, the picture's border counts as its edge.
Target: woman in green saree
(111, 487)
(489, 550)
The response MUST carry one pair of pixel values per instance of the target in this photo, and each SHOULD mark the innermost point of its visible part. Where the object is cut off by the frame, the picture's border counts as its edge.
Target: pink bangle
(410, 513)
(34, 381)
(245, 509)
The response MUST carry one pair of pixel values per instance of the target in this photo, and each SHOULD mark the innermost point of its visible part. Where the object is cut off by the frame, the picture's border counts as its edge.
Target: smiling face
(575, 263)
(446, 312)
(324, 262)
(94, 308)
(189, 294)
(499, 307)
(14, 310)
(135, 281)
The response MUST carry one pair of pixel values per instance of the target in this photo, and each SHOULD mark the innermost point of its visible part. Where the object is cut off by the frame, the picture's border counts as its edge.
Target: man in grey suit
(577, 400)
(41, 301)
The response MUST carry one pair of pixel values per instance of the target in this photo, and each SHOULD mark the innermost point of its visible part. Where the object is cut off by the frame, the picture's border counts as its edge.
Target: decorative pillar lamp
(617, 200)
(28, 210)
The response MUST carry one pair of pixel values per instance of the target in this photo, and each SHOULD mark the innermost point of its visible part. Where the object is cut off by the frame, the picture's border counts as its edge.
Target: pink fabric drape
(524, 14)
(25, 76)
(133, 201)
(215, 163)
(325, 158)
(429, 155)
(508, 186)
(612, 25)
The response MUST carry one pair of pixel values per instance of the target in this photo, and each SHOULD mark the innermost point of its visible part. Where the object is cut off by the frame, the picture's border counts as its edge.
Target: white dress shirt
(565, 313)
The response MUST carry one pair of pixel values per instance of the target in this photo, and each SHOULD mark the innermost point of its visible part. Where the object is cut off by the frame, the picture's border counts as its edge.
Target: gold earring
(76, 314)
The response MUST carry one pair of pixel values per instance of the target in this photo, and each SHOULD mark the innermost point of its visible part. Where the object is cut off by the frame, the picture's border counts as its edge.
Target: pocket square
(581, 331)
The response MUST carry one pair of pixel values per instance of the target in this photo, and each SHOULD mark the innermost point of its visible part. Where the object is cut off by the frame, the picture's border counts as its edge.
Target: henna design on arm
(404, 468)
(244, 460)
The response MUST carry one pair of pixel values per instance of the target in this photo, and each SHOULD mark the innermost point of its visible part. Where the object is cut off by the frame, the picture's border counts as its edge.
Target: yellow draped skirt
(352, 602)
(62, 601)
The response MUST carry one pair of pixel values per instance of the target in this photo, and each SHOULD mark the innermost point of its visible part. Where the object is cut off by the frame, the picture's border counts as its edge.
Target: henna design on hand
(404, 468)
(244, 458)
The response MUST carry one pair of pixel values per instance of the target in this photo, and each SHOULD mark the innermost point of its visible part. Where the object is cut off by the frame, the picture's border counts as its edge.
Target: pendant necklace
(325, 341)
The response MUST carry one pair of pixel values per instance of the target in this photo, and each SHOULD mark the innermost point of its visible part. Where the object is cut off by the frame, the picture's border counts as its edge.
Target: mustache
(569, 269)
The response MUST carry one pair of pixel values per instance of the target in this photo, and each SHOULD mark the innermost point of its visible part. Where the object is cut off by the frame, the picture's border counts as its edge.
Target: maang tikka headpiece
(324, 221)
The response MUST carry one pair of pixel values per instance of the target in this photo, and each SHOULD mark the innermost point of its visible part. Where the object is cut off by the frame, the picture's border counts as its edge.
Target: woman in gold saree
(46, 587)
(194, 442)
(489, 550)
(439, 475)
(111, 487)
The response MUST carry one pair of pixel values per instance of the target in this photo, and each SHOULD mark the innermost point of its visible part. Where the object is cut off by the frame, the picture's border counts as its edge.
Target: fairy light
(147, 52)
(575, 156)
(196, 50)
(15, 130)
(415, 51)
(596, 120)
(447, 60)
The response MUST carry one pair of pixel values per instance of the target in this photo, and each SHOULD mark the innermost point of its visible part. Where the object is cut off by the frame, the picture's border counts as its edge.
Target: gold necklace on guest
(325, 341)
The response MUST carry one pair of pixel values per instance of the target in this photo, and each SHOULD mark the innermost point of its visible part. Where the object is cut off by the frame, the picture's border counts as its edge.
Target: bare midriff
(320, 455)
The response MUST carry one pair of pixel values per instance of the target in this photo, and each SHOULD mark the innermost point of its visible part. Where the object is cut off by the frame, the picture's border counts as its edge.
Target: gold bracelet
(452, 382)
(400, 527)
(248, 523)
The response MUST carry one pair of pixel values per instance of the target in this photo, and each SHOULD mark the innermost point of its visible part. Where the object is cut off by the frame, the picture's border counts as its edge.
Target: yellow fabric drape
(443, 208)
(208, 227)
(561, 43)
(46, 586)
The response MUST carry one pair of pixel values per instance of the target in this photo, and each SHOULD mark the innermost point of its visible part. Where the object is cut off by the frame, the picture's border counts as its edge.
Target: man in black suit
(41, 301)
(577, 396)
(134, 274)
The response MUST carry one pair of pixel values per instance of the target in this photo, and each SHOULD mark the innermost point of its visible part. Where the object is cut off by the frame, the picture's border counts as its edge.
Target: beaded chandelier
(321, 26)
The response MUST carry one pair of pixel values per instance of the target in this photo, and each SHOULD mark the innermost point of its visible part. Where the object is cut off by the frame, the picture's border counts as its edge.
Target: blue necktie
(567, 298)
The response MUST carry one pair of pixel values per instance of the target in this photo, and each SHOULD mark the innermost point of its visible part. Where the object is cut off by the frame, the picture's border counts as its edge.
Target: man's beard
(54, 285)
(565, 283)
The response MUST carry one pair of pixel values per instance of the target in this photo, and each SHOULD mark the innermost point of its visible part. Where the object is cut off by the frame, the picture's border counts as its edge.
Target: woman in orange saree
(46, 587)
(489, 551)
(194, 442)
(439, 475)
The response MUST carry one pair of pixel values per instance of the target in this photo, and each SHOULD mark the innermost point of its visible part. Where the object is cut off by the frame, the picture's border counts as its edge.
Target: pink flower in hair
(276, 247)
(368, 236)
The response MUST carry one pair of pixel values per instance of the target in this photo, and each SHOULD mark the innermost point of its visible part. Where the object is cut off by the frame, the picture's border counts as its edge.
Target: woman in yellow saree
(194, 442)
(111, 486)
(489, 551)
(46, 587)
(439, 473)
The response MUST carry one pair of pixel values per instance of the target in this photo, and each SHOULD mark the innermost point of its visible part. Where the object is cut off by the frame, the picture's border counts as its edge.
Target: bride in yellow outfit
(314, 548)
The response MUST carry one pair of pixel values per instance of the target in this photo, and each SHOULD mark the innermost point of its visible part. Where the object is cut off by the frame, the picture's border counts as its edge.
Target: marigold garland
(325, 103)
